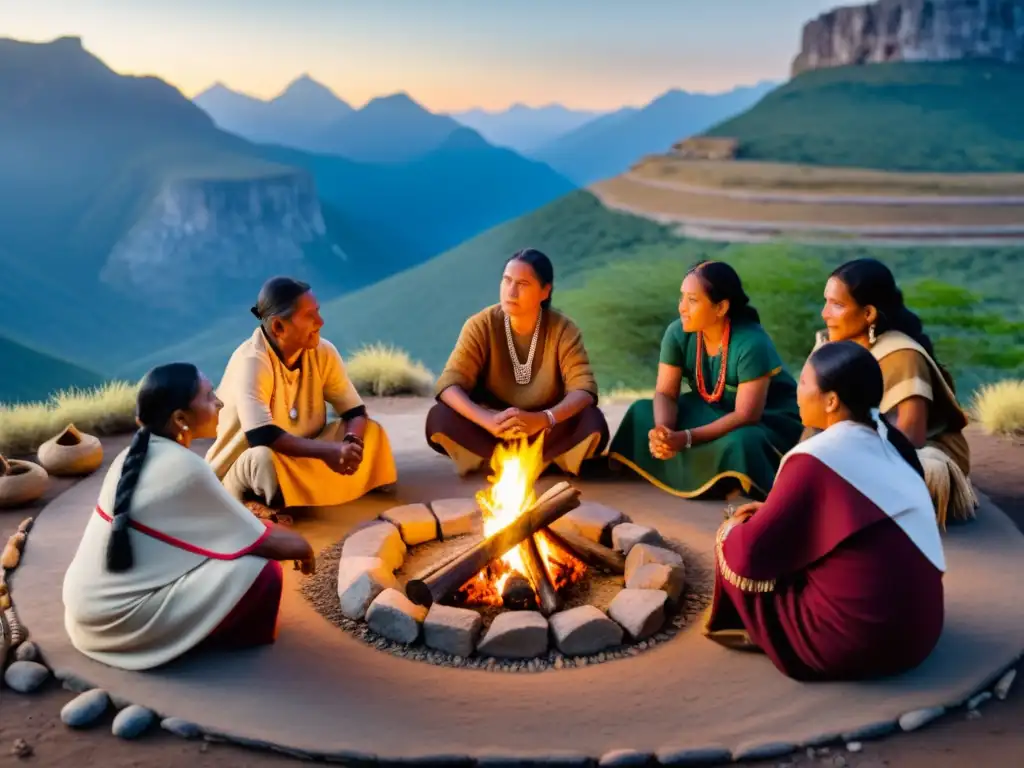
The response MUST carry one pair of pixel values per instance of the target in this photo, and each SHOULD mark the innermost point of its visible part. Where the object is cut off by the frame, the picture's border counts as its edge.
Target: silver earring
(184, 427)
(871, 334)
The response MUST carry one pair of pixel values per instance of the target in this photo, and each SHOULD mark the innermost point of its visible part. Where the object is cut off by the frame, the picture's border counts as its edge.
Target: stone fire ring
(646, 597)
(321, 693)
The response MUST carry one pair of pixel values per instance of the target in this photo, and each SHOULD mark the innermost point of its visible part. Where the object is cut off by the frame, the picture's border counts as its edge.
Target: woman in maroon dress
(838, 574)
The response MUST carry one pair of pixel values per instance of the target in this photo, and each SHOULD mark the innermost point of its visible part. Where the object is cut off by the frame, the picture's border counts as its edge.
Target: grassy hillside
(935, 116)
(31, 375)
(978, 334)
(619, 277)
(423, 308)
(423, 207)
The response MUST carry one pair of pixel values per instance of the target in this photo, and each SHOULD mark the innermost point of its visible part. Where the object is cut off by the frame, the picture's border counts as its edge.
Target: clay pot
(71, 453)
(21, 482)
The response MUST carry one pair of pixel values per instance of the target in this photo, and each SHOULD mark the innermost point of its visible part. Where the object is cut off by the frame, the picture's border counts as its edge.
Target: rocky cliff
(199, 236)
(914, 30)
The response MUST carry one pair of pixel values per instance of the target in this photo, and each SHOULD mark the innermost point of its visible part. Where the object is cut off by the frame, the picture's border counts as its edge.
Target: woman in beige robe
(518, 370)
(275, 446)
(169, 561)
(863, 304)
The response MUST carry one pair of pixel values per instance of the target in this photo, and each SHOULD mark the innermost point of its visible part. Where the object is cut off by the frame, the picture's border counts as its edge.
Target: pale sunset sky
(447, 54)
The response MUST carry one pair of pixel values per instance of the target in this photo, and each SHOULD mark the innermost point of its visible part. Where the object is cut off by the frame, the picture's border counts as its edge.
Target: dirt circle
(594, 588)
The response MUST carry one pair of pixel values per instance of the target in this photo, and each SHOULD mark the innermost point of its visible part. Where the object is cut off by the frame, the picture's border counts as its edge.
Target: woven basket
(71, 453)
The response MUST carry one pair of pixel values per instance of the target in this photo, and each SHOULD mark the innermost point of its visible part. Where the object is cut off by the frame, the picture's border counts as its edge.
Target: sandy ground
(995, 738)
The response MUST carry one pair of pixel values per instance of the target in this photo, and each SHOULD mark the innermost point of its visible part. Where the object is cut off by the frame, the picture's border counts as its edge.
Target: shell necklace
(522, 371)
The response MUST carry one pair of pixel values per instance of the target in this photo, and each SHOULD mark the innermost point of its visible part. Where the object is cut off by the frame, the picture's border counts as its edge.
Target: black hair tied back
(164, 390)
(278, 297)
(542, 268)
(853, 373)
(721, 282)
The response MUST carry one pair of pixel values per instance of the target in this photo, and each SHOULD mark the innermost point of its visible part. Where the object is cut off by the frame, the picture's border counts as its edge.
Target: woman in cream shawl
(863, 304)
(169, 560)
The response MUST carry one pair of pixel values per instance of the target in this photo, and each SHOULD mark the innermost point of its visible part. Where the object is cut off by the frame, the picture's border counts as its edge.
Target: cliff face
(914, 30)
(200, 236)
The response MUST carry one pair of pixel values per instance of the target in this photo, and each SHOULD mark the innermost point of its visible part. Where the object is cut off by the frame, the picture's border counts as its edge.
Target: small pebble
(21, 748)
(85, 709)
(1002, 688)
(25, 676)
(180, 727)
(132, 721)
(976, 701)
(27, 651)
(854, 746)
(917, 718)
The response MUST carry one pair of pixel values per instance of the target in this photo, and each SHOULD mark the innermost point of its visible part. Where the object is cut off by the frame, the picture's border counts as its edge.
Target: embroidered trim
(740, 582)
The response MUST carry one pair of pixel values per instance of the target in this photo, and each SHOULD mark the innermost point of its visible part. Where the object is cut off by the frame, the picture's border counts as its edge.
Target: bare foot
(263, 512)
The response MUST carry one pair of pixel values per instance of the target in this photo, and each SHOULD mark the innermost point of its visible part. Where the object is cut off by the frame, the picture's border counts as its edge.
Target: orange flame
(516, 467)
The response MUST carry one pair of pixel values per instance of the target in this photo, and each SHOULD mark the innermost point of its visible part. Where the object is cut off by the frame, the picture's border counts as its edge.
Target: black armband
(359, 410)
(263, 436)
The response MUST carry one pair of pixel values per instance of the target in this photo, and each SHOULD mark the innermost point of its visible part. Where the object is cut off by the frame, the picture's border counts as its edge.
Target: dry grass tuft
(380, 370)
(999, 408)
(104, 410)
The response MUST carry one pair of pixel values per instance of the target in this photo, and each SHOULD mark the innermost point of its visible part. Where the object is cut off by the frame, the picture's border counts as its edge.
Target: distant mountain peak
(400, 103)
(307, 84)
(69, 41)
(218, 88)
(304, 93)
(399, 97)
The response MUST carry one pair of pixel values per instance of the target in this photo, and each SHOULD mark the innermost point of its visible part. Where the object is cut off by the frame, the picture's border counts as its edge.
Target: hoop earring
(871, 335)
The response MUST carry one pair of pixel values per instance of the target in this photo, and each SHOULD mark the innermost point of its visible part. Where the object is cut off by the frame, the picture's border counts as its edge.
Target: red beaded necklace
(715, 396)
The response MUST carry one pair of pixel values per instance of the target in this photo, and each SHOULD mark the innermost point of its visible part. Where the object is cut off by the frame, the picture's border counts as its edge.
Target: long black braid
(164, 390)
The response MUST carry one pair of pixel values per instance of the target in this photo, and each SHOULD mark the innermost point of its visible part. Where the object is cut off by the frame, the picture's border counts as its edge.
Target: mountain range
(523, 128)
(303, 109)
(126, 208)
(611, 143)
(584, 146)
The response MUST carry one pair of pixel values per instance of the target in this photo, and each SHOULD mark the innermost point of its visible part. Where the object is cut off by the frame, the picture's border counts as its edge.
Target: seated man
(274, 443)
(487, 394)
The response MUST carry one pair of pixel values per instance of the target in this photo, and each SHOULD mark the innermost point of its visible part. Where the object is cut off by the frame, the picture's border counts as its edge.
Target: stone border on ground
(133, 721)
(657, 600)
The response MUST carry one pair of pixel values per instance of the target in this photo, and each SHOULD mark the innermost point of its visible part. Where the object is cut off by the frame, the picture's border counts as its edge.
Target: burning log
(559, 500)
(517, 593)
(546, 594)
(590, 552)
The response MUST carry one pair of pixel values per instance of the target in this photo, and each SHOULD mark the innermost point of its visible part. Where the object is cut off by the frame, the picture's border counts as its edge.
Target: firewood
(590, 552)
(547, 596)
(517, 593)
(444, 582)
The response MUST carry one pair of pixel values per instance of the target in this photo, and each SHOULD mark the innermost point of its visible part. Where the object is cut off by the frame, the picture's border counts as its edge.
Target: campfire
(520, 564)
(508, 575)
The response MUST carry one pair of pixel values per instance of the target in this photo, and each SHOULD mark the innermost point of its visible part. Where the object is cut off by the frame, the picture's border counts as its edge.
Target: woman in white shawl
(863, 304)
(170, 560)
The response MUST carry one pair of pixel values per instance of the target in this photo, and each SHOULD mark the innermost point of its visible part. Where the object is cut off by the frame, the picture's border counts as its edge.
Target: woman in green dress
(733, 426)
